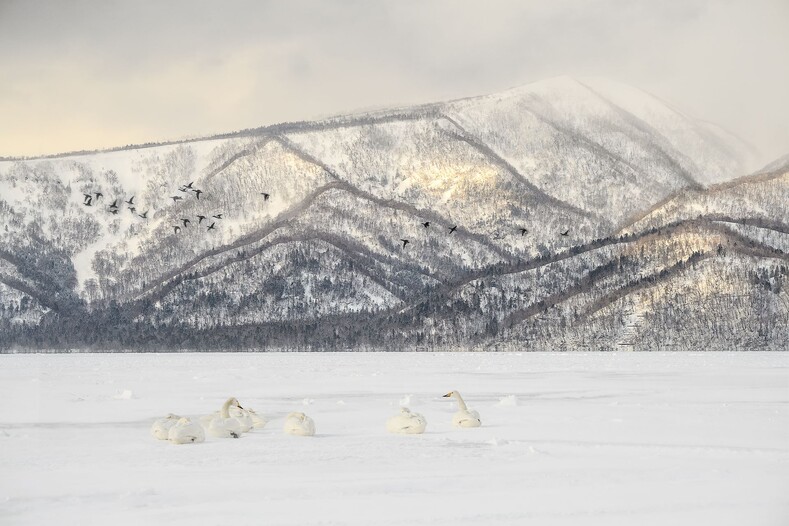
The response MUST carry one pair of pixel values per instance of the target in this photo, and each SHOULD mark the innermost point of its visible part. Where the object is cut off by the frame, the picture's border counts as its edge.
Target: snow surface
(567, 439)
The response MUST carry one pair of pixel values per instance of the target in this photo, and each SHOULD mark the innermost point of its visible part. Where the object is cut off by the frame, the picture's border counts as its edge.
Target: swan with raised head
(161, 427)
(299, 424)
(224, 425)
(464, 417)
(186, 432)
(406, 423)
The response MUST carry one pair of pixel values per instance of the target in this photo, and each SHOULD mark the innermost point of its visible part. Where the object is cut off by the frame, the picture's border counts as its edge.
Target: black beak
(446, 395)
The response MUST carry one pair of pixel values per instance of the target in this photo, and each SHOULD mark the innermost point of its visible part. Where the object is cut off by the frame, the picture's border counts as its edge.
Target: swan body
(224, 425)
(186, 432)
(161, 427)
(407, 423)
(464, 417)
(299, 424)
(258, 422)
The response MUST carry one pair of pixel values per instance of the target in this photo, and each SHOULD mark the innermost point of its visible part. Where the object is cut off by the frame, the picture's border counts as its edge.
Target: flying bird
(189, 186)
(88, 197)
(185, 221)
(565, 232)
(132, 209)
(176, 198)
(130, 201)
(524, 231)
(265, 196)
(99, 195)
(211, 226)
(451, 230)
(218, 216)
(113, 211)
(144, 215)
(88, 201)
(114, 204)
(426, 224)
(405, 242)
(177, 228)
(200, 219)
(197, 193)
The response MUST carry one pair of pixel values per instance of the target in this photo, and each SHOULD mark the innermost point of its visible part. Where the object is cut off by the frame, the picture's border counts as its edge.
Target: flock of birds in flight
(132, 207)
(113, 209)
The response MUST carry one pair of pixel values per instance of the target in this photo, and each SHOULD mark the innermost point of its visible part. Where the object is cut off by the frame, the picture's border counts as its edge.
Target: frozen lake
(567, 439)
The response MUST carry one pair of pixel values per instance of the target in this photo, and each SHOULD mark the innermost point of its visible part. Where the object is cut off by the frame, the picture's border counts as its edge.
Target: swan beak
(239, 406)
(447, 395)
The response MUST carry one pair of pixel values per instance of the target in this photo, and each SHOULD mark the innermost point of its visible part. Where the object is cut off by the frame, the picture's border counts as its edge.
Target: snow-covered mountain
(535, 214)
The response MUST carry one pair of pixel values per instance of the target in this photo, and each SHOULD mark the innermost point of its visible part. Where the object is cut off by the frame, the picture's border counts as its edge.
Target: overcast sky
(92, 74)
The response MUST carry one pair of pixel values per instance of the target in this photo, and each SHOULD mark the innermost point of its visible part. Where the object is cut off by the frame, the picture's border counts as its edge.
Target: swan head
(449, 394)
(232, 402)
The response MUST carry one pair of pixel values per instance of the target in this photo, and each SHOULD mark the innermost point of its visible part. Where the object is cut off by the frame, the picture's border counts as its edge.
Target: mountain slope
(451, 224)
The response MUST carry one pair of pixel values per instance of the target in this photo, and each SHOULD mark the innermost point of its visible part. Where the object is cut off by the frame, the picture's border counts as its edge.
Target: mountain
(557, 214)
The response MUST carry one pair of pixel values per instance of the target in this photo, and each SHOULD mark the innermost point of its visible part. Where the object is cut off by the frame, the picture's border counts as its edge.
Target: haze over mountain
(565, 214)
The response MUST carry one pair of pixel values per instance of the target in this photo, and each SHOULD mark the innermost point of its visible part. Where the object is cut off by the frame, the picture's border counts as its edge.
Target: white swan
(407, 423)
(186, 432)
(161, 427)
(223, 425)
(299, 424)
(464, 417)
(258, 422)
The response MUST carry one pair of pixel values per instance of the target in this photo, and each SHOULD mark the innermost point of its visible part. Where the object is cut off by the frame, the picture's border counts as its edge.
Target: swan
(407, 423)
(299, 424)
(186, 432)
(258, 422)
(223, 425)
(464, 417)
(162, 426)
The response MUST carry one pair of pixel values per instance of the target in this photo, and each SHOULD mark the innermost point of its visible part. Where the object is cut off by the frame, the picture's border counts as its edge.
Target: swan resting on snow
(299, 424)
(224, 425)
(407, 423)
(186, 432)
(161, 427)
(464, 417)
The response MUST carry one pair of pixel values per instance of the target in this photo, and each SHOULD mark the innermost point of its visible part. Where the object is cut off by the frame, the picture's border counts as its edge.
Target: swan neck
(461, 403)
(226, 409)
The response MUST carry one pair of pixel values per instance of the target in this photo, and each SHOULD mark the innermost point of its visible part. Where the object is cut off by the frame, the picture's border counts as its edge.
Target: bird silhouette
(524, 231)
(200, 219)
(183, 189)
(265, 196)
(114, 204)
(132, 209)
(451, 230)
(211, 226)
(426, 224)
(176, 198)
(218, 216)
(130, 201)
(405, 242)
(88, 197)
(144, 215)
(189, 186)
(185, 221)
(88, 201)
(177, 228)
(114, 211)
(197, 193)
(565, 232)
(98, 195)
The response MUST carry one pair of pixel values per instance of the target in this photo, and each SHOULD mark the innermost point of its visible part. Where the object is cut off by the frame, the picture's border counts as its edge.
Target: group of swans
(233, 420)
(409, 423)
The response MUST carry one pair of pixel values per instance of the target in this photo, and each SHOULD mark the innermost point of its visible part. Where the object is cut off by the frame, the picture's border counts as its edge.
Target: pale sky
(94, 74)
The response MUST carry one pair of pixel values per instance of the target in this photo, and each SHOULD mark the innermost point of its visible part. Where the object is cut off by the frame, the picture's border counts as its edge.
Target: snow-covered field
(571, 439)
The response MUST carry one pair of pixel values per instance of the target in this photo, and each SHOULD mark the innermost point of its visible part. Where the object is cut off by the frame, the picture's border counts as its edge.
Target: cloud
(85, 74)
